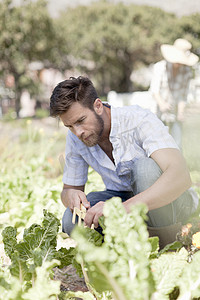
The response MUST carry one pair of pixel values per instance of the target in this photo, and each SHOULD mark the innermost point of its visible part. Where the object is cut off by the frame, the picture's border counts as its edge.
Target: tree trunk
(18, 93)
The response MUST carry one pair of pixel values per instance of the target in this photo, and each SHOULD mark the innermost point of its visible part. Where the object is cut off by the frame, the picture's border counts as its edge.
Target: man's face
(84, 123)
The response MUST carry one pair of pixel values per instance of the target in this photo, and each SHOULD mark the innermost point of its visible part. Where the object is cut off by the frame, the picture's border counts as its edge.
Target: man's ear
(98, 106)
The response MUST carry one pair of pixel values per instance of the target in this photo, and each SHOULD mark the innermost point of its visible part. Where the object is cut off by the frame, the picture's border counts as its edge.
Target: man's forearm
(65, 194)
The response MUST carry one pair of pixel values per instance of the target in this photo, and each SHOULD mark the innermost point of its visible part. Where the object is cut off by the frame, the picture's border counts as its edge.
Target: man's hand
(77, 197)
(93, 214)
(73, 197)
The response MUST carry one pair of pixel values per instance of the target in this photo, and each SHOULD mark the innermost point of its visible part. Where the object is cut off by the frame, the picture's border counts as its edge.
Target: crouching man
(133, 152)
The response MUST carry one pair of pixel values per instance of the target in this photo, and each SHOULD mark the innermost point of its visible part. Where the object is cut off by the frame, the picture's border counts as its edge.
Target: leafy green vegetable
(189, 282)
(10, 241)
(121, 264)
(79, 294)
(154, 241)
(38, 246)
(43, 286)
(166, 270)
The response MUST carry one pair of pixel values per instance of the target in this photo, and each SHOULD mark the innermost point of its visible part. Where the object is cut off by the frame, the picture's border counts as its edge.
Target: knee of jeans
(95, 197)
(145, 172)
(90, 196)
(67, 225)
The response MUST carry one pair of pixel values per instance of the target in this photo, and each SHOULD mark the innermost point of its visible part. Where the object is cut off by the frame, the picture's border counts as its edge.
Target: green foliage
(121, 264)
(26, 191)
(167, 270)
(27, 178)
(120, 37)
(26, 36)
(41, 113)
(81, 295)
(34, 257)
(154, 241)
(189, 27)
(130, 265)
(189, 282)
(44, 288)
(38, 245)
(112, 40)
(126, 266)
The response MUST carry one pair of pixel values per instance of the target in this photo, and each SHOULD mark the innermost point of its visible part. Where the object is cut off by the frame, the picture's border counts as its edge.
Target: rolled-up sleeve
(76, 169)
(158, 71)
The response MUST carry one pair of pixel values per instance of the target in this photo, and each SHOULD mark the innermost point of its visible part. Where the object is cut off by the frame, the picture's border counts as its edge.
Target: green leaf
(166, 271)
(9, 240)
(121, 263)
(14, 292)
(4, 283)
(93, 236)
(66, 256)
(189, 282)
(19, 268)
(37, 248)
(102, 222)
(171, 247)
(154, 241)
(79, 294)
(44, 288)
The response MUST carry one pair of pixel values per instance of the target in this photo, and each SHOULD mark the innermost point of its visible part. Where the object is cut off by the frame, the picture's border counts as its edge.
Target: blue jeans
(144, 173)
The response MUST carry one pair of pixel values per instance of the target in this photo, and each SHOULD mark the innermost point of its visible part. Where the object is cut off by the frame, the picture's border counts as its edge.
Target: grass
(191, 146)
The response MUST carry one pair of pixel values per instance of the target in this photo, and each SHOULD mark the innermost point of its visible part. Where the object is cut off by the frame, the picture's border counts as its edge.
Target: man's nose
(78, 131)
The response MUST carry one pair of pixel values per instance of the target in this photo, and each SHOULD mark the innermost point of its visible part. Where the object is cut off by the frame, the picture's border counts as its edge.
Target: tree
(190, 29)
(27, 35)
(107, 41)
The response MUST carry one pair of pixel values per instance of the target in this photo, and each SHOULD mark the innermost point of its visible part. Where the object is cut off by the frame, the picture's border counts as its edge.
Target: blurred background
(115, 44)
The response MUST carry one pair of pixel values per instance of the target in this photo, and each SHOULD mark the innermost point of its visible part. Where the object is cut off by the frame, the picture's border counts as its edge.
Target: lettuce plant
(121, 264)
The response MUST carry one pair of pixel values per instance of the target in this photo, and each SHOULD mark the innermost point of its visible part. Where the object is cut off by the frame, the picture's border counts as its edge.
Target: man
(170, 83)
(130, 148)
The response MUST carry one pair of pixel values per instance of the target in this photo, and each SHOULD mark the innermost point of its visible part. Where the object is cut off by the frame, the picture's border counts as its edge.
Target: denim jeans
(144, 173)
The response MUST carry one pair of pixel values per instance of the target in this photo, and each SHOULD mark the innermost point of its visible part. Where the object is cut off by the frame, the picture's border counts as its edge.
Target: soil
(70, 280)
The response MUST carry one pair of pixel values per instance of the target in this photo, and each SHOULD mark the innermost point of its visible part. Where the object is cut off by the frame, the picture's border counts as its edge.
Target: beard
(95, 136)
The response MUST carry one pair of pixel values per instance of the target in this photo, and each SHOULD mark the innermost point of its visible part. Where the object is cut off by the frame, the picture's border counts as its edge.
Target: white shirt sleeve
(158, 71)
(76, 169)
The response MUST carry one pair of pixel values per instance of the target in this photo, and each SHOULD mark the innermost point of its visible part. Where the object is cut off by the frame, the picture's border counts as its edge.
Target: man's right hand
(77, 197)
(72, 196)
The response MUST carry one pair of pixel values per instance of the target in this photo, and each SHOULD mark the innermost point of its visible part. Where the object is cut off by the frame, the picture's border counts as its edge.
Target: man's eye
(80, 121)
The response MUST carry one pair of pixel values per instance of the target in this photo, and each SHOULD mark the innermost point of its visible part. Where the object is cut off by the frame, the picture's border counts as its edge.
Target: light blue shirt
(135, 133)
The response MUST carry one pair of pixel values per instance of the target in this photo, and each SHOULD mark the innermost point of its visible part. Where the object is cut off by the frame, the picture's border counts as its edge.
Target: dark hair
(70, 91)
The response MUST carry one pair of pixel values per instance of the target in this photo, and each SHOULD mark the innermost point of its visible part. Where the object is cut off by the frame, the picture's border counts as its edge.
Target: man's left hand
(93, 214)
